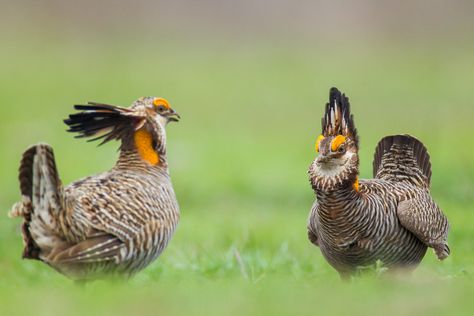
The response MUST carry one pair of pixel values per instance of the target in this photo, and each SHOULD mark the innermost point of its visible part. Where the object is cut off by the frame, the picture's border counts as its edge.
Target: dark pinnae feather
(107, 122)
(337, 118)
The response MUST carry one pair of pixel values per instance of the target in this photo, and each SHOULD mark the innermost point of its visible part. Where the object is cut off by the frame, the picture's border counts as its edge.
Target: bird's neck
(143, 150)
(335, 195)
(336, 179)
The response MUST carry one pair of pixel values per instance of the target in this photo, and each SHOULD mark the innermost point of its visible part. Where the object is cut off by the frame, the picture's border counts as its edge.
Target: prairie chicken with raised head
(114, 223)
(391, 218)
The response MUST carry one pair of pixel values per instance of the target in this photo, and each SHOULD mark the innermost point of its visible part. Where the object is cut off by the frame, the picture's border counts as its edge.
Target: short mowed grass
(238, 159)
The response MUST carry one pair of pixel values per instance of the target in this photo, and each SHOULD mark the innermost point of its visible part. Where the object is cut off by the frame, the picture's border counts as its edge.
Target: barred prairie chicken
(391, 218)
(114, 223)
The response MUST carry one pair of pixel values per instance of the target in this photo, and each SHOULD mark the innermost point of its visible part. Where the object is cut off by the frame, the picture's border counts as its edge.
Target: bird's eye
(161, 108)
(341, 148)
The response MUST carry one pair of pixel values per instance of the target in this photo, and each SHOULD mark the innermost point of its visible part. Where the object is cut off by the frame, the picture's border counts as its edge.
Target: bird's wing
(103, 121)
(312, 236)
(425, 220)
(402, 158)
(100, 247)
(95, 256)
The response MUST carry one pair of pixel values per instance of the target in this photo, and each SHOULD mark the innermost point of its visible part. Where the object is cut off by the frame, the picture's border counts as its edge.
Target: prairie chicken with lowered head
(391, 218)
(114, 223)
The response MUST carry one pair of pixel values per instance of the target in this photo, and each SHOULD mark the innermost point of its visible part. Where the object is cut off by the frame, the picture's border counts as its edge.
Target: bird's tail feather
(402, 158)
(42, 198)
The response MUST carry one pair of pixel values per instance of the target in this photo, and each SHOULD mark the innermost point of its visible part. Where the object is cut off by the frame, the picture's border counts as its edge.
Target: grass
(238, 160)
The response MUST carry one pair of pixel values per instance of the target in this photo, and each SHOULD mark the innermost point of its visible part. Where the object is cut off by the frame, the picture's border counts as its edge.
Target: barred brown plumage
(114, 223)
(391, 218)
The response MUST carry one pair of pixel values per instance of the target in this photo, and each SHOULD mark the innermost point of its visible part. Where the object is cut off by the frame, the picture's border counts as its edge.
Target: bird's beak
(173, 116)
(322, 159)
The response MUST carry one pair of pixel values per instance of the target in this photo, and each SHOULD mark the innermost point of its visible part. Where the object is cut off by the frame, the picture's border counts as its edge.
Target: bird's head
(337, 162)
(140, 127)
(156, 108)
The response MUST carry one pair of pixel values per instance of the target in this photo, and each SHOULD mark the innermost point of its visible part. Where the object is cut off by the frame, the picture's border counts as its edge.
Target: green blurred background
(250, 80)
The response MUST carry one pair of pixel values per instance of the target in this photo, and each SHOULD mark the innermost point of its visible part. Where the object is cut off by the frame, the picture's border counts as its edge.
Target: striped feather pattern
(358, 228)
(391, 218)
(114, 223)
(402, 158)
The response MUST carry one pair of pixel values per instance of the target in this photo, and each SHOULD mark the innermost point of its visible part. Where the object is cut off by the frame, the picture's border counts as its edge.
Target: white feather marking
(333, 116)
(333, 167)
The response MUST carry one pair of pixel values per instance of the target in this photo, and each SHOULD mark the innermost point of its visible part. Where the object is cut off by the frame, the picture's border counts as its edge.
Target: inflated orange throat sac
(355, 185)
(144, 143)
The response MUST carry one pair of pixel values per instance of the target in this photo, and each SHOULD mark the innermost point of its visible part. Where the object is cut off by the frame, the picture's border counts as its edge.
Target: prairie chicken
(114, 223)
(391, 218)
